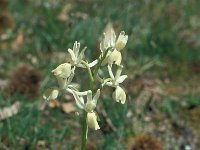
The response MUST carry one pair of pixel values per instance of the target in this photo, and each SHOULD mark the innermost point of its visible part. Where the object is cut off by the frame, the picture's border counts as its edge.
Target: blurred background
(162, 60)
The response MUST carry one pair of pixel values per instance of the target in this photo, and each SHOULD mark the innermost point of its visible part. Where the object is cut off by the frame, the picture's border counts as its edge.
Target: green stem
(100, 60)
(84, 131)
(90, 73)
(84, 118)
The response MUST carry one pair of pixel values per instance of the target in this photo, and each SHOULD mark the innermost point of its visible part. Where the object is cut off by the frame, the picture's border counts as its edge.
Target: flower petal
(51, 94)
(110, 72)
(89, 96)
(118, 72)
(79, 100)
(76, 48)
(96, 96)
(92, 121)
(73, 57)
(92, 64)
(121, 78)
(81, 55)
(119, 95)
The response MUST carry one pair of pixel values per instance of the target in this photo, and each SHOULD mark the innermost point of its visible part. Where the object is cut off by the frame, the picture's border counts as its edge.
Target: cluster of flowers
(64, 74)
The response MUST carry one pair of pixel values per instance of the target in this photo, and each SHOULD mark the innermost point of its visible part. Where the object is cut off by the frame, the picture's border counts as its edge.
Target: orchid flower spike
(117, 79)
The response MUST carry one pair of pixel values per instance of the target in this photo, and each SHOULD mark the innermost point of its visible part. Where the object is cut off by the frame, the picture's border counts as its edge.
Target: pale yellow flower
(64, 74)
(117, 79)
(63, 70)
(121, 41)
(76, 56)
(91, 103)
(109, 41)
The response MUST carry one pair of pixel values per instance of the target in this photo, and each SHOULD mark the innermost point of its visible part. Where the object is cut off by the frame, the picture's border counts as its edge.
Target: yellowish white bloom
(91, 103)
(64, 74)
(63, 70)
(117, 79)
(109, 41)
(51, 94)
(111, 47)
(114, 56)
(119, 95)
(92, 121)
(121, 41)
(76, 56)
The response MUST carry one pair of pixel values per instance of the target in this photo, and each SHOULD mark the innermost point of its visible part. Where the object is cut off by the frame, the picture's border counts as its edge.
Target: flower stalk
(111, 49)
(84, 131)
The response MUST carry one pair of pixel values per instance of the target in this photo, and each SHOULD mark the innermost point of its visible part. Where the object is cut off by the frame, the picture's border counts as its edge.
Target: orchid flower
(64, 74)
(109, 40)
(77, 57)
(89, 106)
(91, 103)
(117, 79)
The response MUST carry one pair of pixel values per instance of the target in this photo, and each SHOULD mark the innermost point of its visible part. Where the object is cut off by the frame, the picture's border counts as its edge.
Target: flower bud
(119, 95)
(92, 121)
(51, 94)
(121, 41)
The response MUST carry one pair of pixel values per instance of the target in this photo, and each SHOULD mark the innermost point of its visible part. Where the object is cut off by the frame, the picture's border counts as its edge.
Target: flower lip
(119, 95)
(92, 121)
